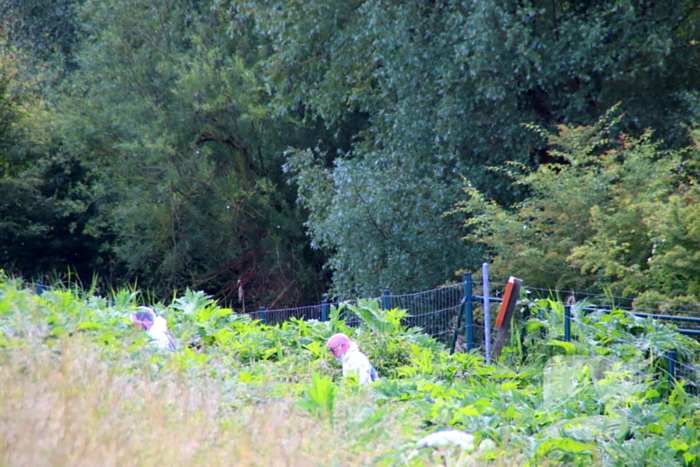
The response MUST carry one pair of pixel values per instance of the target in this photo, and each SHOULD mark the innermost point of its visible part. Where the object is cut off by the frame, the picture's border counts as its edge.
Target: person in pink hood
(347, 352)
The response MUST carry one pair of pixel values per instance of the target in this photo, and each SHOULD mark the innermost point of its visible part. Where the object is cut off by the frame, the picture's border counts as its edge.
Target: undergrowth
(79, 385)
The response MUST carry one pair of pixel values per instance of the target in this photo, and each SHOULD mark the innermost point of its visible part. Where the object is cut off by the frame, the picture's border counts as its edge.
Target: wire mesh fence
(435, 311)
(688, 371)
(278, 316)
(669, 365)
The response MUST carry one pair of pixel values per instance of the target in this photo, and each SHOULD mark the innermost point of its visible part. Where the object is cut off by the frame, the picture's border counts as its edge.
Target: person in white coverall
(155, 326)
(354, 361)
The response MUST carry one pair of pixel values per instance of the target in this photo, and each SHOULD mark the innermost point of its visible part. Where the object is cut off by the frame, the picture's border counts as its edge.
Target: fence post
(261, 314)
(671, 359)
(468, 312)
(505, 314)
(324, 310)
(385, 300)
(524, 318)
(487, 311)
(567, 323)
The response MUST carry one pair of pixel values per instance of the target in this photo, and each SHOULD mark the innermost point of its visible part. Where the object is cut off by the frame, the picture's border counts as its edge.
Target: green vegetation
(310, 149)
(446, 87)
(79, 385)
(614, 215)
(222, 155)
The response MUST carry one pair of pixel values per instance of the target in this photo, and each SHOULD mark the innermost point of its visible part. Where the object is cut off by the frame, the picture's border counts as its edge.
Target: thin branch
(369, 213)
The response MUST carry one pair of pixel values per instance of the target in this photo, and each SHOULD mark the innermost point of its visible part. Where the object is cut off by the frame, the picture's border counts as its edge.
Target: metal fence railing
(445, 313)
(436, 311)
(459, 318)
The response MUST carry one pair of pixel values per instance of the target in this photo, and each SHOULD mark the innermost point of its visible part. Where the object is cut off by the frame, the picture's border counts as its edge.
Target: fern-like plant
(376, 318)
(319, 397)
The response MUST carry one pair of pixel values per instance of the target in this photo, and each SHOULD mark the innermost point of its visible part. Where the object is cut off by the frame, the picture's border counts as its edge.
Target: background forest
(335, 148)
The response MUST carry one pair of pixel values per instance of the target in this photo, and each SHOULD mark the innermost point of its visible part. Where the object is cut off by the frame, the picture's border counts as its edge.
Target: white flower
(447, 438)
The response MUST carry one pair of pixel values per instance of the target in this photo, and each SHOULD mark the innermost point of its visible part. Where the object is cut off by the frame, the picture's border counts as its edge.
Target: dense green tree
(445, 87)
(45, 194)
(616, 216)
(177, 113)
(674, 262)
(46, 30)
(167, 109)
(362, 215)
(44, 214)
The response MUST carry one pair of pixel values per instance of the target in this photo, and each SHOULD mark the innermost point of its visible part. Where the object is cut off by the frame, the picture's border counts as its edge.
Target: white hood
(160, 335)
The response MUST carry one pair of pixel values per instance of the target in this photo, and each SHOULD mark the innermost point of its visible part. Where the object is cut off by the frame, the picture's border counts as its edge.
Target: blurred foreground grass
(65, 406)
(99, 395)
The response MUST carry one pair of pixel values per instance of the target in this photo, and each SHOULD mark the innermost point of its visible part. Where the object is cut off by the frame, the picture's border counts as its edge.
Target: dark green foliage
(614, 216)
(45, 213)
(363, 215)
(47, 30)
(175, 119)
(446, 87)
(16, 119)
(169, 112)
(45, 195)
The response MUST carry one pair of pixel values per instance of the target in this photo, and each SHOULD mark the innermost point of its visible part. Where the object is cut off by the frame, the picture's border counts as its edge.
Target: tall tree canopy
(46, 30)
(167, 109)
(45, 193)
(445, 87)
(196, 143)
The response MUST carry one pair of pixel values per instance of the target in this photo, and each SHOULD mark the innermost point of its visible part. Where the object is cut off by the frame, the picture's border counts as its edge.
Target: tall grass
(65, 406)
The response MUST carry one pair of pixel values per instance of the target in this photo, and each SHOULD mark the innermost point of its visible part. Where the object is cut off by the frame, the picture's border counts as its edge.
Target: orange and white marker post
(505, 314)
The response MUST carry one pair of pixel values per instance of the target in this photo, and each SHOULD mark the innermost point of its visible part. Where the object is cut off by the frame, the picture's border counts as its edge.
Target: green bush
(613, 216)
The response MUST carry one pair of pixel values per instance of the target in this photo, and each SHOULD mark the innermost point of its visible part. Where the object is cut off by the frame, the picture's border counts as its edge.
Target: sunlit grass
(64, 406)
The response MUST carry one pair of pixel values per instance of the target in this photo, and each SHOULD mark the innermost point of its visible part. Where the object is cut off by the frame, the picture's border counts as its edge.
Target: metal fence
(459, 316)
(436, 312)
(445, 313)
